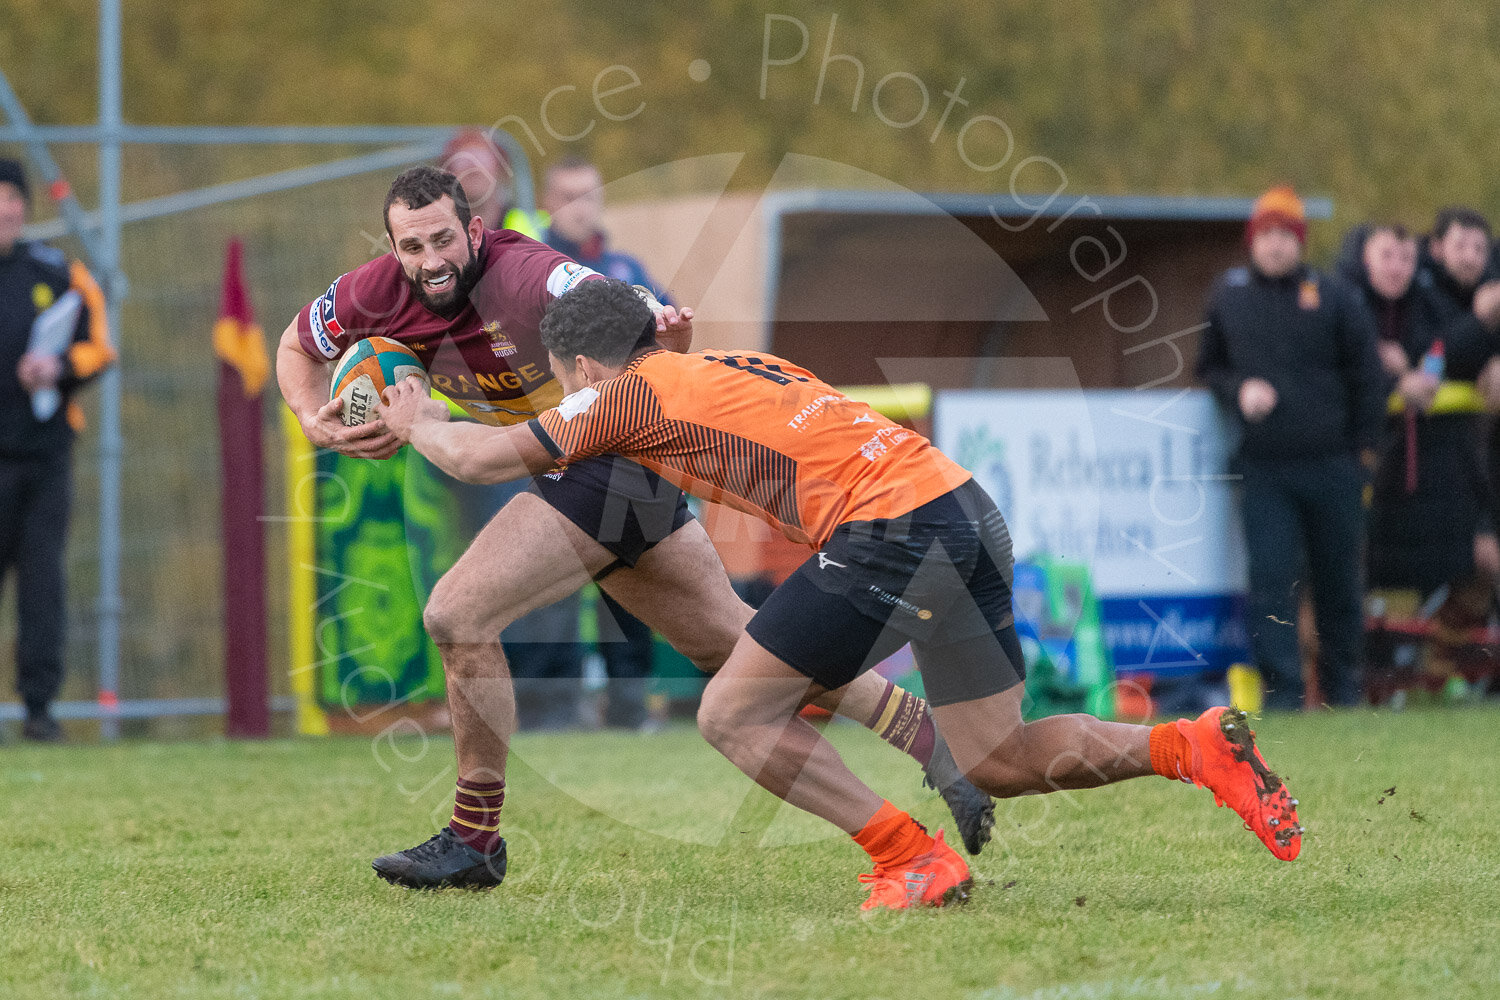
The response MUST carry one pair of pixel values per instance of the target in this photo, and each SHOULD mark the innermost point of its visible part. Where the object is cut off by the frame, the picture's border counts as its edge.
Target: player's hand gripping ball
(366, 370)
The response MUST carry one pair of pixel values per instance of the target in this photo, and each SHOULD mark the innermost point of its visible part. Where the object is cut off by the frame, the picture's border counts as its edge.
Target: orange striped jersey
(756, 433)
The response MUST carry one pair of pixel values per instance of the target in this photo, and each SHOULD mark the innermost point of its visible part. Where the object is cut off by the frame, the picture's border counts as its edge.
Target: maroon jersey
(489, 358)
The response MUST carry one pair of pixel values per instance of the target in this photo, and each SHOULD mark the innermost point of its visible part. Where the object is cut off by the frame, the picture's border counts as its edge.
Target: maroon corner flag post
(243, 367)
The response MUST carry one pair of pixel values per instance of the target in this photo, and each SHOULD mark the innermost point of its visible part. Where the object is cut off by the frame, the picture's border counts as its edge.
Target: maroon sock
(476, 814)
(902, 720)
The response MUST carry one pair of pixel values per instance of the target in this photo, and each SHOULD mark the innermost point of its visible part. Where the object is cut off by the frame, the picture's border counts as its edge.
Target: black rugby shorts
(624, 506)
(938, 577)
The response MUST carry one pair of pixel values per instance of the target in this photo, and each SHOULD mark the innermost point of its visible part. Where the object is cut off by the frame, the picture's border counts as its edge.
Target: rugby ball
(365, 370)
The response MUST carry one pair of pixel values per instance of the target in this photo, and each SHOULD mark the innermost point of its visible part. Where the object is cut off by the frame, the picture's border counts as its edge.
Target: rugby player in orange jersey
(469, 301)
(909, 549)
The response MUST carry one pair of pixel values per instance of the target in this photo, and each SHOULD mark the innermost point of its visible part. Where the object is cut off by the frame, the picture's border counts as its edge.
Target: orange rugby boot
(936, 878)
(1226, 762)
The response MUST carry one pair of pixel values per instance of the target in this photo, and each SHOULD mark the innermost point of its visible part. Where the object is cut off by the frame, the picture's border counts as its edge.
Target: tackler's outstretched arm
(472, 453)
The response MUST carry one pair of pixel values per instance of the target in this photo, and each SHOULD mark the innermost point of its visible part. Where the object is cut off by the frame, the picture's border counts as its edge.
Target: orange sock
(1171, 753)
(892, 838)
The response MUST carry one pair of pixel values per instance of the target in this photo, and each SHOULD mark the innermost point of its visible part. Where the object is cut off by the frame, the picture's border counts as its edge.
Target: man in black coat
(1459, 295)
(1291, 355)
(1430, 523)
(36, 442)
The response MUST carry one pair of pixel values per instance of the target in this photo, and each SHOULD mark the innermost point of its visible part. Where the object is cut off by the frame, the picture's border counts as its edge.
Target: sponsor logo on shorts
(900, 603)
(565, 277)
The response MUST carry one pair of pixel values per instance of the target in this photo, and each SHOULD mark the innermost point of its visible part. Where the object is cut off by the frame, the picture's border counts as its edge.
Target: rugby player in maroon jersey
(469, 302)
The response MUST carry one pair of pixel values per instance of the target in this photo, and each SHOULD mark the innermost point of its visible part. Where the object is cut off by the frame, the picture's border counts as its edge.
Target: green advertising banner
(386, 530)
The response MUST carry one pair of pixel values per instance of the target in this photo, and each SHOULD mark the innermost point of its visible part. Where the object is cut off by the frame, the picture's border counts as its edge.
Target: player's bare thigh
(680, 589)
(748, 703)
(526, 557)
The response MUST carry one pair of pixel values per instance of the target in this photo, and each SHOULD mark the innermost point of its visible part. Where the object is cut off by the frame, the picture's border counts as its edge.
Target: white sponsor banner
(1131, 483)
(565, 277)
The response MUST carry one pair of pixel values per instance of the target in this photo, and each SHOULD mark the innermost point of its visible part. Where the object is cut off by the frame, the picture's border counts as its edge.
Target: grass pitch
(645, 866)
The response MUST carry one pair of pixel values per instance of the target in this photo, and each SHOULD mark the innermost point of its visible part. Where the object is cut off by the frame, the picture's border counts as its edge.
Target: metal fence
(306, 213)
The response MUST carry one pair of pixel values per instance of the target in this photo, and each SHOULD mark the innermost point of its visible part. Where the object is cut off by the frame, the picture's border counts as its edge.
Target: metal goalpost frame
(99, 232)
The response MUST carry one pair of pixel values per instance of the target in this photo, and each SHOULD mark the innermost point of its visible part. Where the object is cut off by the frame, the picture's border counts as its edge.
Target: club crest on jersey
(499, 343)
(565, 277)
(1307, 295)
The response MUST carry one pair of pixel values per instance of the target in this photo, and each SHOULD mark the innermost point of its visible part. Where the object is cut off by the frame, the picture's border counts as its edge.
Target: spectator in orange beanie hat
(1290, 354)
(1278, 207)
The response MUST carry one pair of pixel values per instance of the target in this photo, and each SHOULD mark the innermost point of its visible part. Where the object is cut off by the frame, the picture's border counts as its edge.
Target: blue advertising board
(1132, 485)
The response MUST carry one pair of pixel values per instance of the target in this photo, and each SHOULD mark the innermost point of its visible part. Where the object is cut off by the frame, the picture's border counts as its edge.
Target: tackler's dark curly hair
(603, 320)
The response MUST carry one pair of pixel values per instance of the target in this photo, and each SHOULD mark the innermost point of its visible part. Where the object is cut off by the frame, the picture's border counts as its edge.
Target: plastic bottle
(1433, 362)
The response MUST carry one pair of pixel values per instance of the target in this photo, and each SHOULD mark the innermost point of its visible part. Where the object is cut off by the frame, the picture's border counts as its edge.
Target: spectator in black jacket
(1460, 296)
(36, 443)
(1291, 355)
(1430, 522)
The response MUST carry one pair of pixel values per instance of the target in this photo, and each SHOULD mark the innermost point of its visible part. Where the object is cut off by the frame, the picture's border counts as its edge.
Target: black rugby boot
(443, 861)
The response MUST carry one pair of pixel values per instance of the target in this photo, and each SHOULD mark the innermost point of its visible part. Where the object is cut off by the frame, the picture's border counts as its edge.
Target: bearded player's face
(439, 256)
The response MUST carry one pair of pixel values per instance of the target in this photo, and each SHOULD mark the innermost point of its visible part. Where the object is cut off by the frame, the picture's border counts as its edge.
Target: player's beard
(452, 301)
